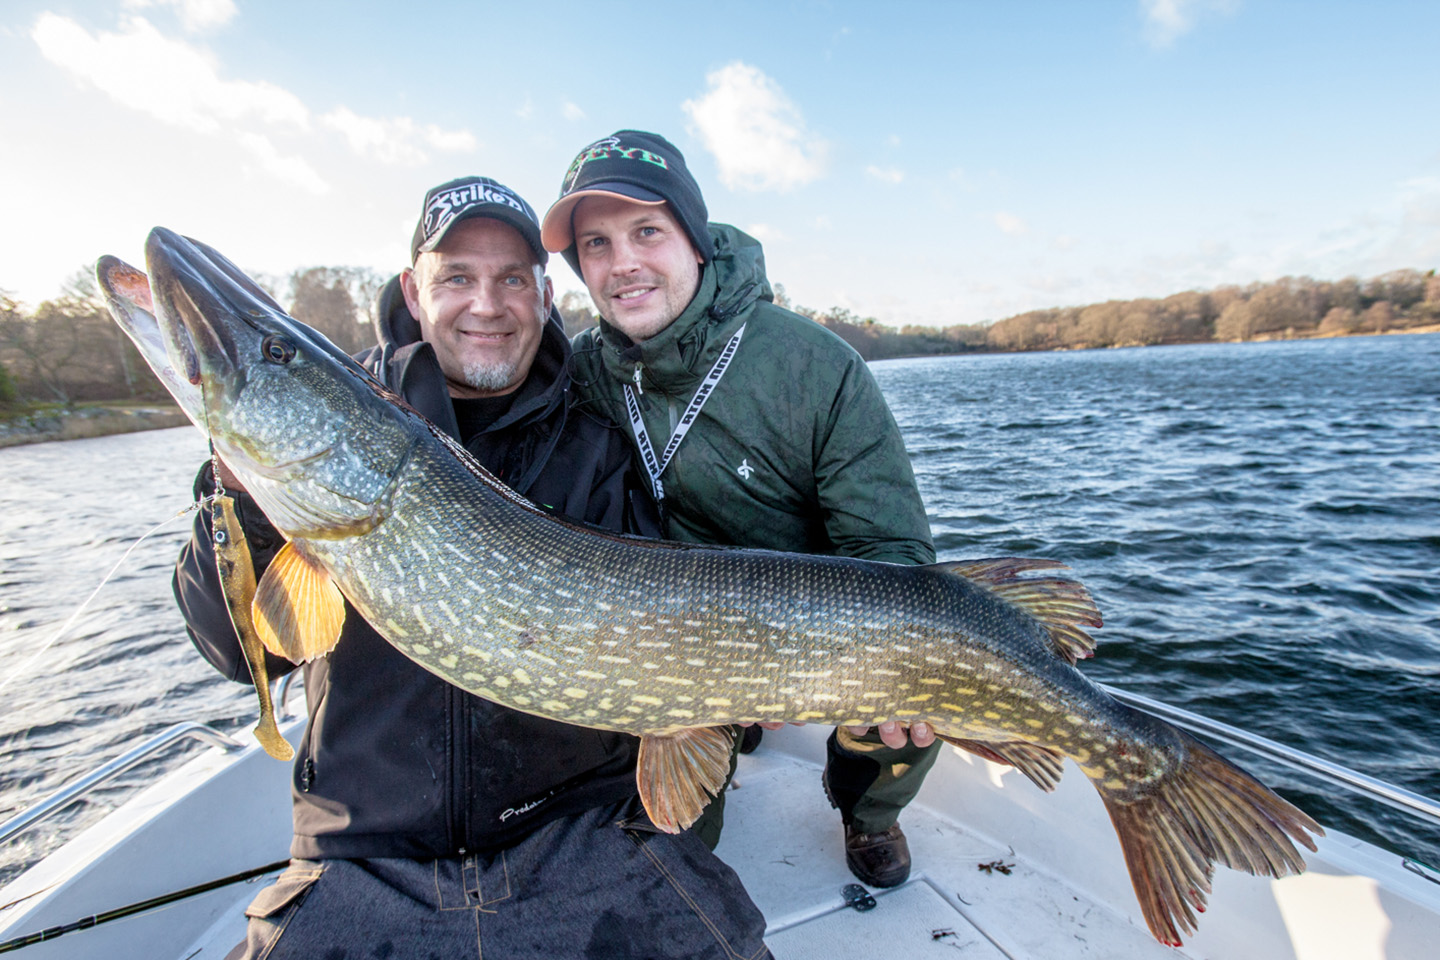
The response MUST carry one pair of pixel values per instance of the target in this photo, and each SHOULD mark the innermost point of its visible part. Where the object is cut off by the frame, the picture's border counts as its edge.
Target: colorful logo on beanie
(608, 149)
(448, 205)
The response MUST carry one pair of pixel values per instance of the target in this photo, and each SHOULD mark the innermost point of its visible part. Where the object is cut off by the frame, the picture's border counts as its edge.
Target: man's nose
(625, 257)
(485, 299)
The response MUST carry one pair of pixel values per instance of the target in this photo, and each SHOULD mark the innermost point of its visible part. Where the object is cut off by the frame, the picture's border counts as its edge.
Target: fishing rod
(130, 910)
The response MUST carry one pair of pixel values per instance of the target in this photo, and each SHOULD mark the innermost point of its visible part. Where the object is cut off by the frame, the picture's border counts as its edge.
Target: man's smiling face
(481, 299)
(638, 264)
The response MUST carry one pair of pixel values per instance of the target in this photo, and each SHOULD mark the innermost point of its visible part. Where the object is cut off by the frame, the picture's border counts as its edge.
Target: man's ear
(549, 295)
(411, 288)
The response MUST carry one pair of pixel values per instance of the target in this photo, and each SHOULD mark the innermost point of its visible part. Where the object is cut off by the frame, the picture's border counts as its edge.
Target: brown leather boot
(878, 859)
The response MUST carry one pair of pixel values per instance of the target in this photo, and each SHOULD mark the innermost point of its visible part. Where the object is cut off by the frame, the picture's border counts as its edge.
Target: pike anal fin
(679, 773)
(1208, 811)
(237, 581)
(1041, 764)
(298, 609)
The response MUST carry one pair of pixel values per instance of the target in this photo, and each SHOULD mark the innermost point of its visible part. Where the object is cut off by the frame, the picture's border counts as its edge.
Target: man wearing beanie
(427, 821)
(758, 427)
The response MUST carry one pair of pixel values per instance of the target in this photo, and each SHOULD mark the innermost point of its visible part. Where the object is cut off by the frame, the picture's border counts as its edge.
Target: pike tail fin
(1209, 811)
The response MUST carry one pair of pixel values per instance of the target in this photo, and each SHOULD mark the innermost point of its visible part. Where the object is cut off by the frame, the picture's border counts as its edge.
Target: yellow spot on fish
(717, 702)
(648, 700)
(683, 714)
(589, 674)
(576, 693)
(921, 698)
(521, 675)
(421, 649)
(990, 715)
(449, 661)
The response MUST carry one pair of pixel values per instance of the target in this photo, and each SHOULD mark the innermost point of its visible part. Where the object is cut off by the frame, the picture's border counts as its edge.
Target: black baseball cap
(468, 197)
(631, 165)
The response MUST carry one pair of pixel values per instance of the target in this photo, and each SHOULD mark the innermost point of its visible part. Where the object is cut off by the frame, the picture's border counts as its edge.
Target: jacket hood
(731, 283)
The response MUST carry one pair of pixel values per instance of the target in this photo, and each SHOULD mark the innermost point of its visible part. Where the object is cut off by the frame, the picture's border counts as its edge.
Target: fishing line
(219, 491)
(81, 609)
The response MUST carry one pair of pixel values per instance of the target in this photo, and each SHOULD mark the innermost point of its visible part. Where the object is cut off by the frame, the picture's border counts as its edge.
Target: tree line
(1289, 308)
(68, 350)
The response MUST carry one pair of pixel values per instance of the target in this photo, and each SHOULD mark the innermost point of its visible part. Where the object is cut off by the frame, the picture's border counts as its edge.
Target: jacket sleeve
(197, 584)
(865, 484)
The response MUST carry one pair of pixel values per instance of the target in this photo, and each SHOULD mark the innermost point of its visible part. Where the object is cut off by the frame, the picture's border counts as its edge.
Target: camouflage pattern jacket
(794, 450)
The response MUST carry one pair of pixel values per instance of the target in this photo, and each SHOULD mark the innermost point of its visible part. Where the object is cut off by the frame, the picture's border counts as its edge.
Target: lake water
(1259, 523)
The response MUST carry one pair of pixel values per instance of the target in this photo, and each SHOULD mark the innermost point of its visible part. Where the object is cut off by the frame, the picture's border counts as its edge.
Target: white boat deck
(1065, 895)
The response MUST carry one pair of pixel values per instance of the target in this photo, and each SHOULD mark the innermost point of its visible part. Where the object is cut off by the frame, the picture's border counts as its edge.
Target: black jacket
(396, 762)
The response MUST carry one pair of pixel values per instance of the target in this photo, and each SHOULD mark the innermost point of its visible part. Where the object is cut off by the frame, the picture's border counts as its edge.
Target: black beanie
(633, 165)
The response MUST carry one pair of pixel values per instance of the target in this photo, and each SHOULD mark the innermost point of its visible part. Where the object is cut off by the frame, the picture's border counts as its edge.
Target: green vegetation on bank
(67, 351)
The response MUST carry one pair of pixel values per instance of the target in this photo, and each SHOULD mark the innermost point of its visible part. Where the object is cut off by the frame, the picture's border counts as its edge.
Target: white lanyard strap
(656, 465)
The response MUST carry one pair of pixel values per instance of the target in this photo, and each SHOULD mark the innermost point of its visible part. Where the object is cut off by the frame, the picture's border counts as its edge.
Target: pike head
(313, 437)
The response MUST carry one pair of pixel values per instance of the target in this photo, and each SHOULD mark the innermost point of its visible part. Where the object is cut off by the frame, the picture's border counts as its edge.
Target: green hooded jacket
(794, 450)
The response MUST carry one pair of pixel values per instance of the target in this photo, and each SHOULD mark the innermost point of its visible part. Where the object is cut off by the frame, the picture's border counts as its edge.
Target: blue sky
(918, 162)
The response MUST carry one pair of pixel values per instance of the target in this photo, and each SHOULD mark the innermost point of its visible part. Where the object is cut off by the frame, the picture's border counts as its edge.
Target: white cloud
(170, 80)
(181, 84)
(395, 140)
(1011, 224)
(292, 170)
(755, 132)
(572, 112)
(886, 174)
(1168, 20)
(765, 233)
(525, 109)
(195, 15)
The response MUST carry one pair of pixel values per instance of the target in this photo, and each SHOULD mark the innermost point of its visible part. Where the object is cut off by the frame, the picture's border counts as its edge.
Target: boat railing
(189, 730)
(77, 789)
(1416, 805)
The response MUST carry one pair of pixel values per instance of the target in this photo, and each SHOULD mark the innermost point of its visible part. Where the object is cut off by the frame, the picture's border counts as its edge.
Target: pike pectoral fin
(1041, 764)
(1062, 606)
(237, 580)
(679, 773)
(298, 609)
(1207, 811)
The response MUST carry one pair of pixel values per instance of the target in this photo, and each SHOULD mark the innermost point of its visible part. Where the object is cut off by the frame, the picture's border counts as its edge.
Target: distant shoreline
(103, 420)
(80, 423)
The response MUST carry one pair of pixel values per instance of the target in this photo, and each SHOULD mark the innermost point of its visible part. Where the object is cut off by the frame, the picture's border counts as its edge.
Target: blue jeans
(596, 886)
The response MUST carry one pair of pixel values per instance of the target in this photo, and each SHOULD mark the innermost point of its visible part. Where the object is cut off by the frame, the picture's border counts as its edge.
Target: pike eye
(277, 349)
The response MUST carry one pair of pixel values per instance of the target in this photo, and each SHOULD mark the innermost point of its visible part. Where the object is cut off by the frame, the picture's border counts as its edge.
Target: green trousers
(867, 781)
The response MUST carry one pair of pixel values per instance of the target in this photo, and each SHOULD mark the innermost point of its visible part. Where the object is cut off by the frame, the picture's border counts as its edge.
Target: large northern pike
(664, 640)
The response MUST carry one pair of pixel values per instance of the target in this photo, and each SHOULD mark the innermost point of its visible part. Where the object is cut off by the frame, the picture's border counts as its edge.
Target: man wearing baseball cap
(427, 821)
(757, 427)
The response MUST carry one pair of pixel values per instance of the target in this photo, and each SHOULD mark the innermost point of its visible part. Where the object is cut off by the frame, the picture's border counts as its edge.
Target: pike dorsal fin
(1062, 606)
(298, 610)
(679, 773)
